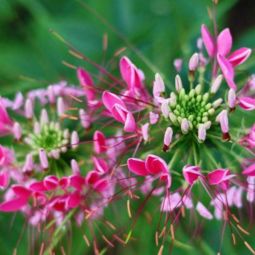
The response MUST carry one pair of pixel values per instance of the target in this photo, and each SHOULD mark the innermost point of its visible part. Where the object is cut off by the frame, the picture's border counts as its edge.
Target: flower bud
(168, 138)
(178, 83)
(43, 159)
(185, 126)
(178, 64)
(231, 98)
(158, 85)
(74, 140)
(193, 62)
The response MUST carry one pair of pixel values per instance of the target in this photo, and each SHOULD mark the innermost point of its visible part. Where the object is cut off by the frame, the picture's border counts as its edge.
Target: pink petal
(208, 41)
(130, 74)
(155, 165)
(239, 56)
(247, 103)
(250, 171)
(73, 200)
(13, 205)
(203, 211)
(100, 165)
(227, 70)
(4, 179)
(110, 99)
(130, 124)
(87, 83)
(99, 142)
(51, 182)
(92, 177)
(77, 181)
(191, 173)
(101, 185)
(166, 178)
(137, 166)
(21, 191)
(224, 42)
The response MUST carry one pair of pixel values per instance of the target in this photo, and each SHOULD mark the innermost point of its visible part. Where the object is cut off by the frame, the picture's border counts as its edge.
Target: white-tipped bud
(178, 83)
(185, 126)
(202, 132)
(173, 99)
(17, 131)
(165, 109)
(29, 110)
(75, 167)
(43, 159)
(158, 86)
(208, 124)
(231, 99)
(193, 62)
(168, 137)
(74, 140)
(217, 103)
(44, 118)
(198, 89)
(216, 84)
(60, 106)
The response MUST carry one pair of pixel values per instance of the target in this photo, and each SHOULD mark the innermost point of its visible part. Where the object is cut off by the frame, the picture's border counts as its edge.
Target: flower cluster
(165, 144)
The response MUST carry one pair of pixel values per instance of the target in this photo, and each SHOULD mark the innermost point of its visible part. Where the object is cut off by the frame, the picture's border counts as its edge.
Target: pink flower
(119, 111)
(220, 177)
(99, 141)
(249, 139)
(153, 165)
(5, 121)
(247, 103)
(6, 156)
(191, 173)
(220, 47)
(194, 62)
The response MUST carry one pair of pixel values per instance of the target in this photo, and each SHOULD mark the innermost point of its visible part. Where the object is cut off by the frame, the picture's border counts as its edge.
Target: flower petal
(224, 42)
(137, 166)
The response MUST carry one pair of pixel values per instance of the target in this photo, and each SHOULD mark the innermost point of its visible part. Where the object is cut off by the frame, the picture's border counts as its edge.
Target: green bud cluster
(50, 138)
(194, 107)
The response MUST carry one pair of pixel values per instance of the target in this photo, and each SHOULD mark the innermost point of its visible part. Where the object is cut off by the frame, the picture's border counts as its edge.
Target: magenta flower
(220, 47)
(220, 177)
(191, 173)
(152, 165)
(118, 110)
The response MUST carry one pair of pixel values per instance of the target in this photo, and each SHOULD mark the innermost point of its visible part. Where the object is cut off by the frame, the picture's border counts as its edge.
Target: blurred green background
(155, 32)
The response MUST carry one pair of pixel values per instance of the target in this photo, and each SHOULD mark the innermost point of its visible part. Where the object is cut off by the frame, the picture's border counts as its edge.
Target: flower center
(192, 107)
(50, 138)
